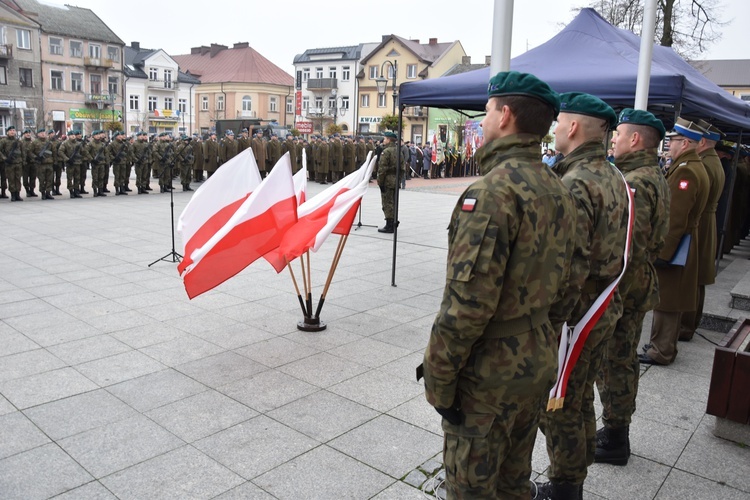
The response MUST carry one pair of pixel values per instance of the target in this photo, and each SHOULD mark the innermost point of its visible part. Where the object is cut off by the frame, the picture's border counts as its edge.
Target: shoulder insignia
(684, 185)
(469, 204)
(682, 164)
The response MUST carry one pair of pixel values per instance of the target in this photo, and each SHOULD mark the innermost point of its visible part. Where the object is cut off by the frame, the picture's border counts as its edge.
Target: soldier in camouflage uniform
(691, 320)
(602, 203)
(141, 157)
(184, 161)
(635, 150)
(42, 154)
(119, 152)
(678, 285)
(57, 164)
(95, 153)
(165, 158)
(12, 158)
(492, 354)
(71, 155)
(273, 153)
(259, 150)
(387, 181)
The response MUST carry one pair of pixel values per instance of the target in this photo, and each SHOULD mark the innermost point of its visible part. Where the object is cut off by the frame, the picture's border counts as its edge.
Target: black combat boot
(123, 191)
(554, 490)
(188, 188)
(3, 195)
(72, 193)
(148, 188)
(612, 446)
(388, 228)
(96, 191)
(57, 191)
(83, 190)
(77, 193)
(126, 189)
(49, 196)
(17, 194)
(104, 189)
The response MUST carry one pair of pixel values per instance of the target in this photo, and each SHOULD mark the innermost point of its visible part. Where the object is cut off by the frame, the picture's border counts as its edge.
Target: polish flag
(331, 211)
(434, 148)
(300, 180)
(254, 229)
(215, 202)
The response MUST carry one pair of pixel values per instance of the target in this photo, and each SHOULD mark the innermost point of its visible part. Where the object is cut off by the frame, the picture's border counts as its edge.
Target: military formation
(534, 251)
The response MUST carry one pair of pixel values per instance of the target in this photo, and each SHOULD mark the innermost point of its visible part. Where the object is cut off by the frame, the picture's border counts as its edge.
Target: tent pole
(728, 208)
(395, 196)
(644, 60)
(502, 34)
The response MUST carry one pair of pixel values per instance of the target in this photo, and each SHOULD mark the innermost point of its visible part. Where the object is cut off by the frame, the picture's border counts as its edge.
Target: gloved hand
(661, 263)
(453, 414)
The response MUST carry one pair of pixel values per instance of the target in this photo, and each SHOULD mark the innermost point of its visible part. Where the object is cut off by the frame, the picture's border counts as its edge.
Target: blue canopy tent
(590, 55)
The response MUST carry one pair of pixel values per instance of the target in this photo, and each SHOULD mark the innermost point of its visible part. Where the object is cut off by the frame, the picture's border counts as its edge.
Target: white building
(158, 96)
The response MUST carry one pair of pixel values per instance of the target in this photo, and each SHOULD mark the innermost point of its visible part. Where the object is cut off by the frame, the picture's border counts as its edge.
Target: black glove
(661, 263)
(453, 414)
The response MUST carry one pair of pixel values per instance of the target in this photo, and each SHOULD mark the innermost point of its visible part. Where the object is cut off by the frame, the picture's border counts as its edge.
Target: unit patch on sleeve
(684, 185)
(469, 204)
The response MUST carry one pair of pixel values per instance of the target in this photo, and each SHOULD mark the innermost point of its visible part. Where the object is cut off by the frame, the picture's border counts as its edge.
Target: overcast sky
(280, 30)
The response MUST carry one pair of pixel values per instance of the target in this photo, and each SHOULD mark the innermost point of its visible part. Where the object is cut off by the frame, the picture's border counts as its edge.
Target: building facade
(158, 96)
(81, 68)
(733, 75)
(237, 83)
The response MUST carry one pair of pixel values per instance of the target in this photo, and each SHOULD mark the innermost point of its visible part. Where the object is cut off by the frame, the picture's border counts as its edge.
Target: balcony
(322, 84)
(96, 62)
(248, 114)
(163, 84)
(164, 114)
(415, 112)
(6, 51)
(100, 98)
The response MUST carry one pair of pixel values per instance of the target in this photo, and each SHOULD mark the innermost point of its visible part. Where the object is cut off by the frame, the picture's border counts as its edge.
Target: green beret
(27, 131)
(77, 132)
(390, 134)
(51, 131)
(41, 130)
(523, 84)
(641, 117)
(8, 129)
(587, 104)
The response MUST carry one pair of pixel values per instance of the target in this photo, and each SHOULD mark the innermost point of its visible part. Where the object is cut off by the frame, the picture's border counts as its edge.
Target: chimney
(466, 60)
(385, 37)
(433, 41)
(416, 40)
(202, 50)
(216, 48)
(241, 45)
(487, 60)
(135, 45)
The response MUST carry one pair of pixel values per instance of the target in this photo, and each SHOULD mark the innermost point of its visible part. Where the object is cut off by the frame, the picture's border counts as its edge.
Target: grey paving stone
(15, 342)
(149, 334)
(118, 321)
(24, 308)
(267, 390)
(201, 415)
(323, 369)
(234, 336)
(680, 485)
(118, 445)
(640, 479)
(399, 491)
(20, 474)
(366, 324)
(389, 445)
(329, 338)
(184, 473)
(201, 322)
(369, 352)
(418, 412)
(323, 473)
(28, 363)
(405, 367)
(415, 478)
(118, 368)
(221, 369)
(90, 491)
(181, 350)
(45, 387)
(378, 390)
(276, 352)
(407, 336)
(79, 413)
(92, 348)
(255, 446)
(5, 406)
(156, 389)
(668, 408)
(656, 441)
(685, 385)
(245, 491)
(18, 434)
(323, 415)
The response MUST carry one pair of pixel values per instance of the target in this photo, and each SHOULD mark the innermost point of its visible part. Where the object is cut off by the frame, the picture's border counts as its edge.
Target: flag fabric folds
(300, 181)
(256, 227)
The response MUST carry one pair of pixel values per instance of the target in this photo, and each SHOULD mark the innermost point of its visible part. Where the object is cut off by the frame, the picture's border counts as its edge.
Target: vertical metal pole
(728, 209)
(644, 59)
(502, 34)
(395, 196)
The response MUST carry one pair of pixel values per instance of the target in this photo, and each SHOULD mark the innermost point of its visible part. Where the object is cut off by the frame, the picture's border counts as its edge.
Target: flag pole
(309, 323)
(296, 287)
(334, 265)
(309, 283)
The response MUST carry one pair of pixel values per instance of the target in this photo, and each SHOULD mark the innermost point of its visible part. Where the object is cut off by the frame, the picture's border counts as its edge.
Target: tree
(333, 129)
(113, 126)
(388, 122)
(688, 26)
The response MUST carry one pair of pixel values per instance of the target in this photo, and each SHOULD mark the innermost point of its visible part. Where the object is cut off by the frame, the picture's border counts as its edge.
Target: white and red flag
(255, 228)
(215, 202)
(300, 181)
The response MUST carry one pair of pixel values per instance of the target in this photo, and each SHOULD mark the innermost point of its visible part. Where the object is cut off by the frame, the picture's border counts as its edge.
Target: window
(373, 72)
(220, 103)
(305, 103)
(273, 105)
(76, 49)
(56, 80)
(345, 102)
(167, 78)
(55, 46)
(332, 72)
(381, 100)
(305, 74)
(152, 103)
(23, 37)
(96, 84)
(153, 74)
(168, 103)
(135, 102)
(95, 51)
(247, 103)
(204, 103)
(25, 77)
(390, 72)
(3, 75)
(289, 105)
(113, 53)
(411, 71)
(318, 72)
(364, 100)
(331, 103)
(319, 102)
(76, 82)
(113, 85)
(345, 73)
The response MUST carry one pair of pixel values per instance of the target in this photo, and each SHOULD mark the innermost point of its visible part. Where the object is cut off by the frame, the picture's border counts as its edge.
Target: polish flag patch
(684, 185)
(469, 204)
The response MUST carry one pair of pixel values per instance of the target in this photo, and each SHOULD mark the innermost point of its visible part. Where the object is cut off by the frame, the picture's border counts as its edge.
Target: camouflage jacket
(651, 200)
(95, 152)
(387, 166)
(509, 252)
(42, 152)
(119, 152)
(8, 145)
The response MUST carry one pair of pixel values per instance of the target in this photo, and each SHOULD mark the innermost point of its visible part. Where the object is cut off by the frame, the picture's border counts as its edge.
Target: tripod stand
(172, 256)
(359, 220)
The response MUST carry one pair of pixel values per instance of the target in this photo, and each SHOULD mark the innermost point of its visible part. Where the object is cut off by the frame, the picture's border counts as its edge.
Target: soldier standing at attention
(337, 158)
(211, 154)
(259, 150)
(360, 152)
(57, 164)
(288, 147)
(325, 160)
(689, 187)
(228, 149)
(387, 165)
(96, 154)
(12, 157)
(29, 166)
(165, 158)
(243, 142)
(350, 156)
(273, 152)
(141, 157)
(184, 162)
(691, 320)
(42, 155)
(71, 155)
(119, 151)
(492, 354)
(299, 148)
(635, 152)
(602, 224)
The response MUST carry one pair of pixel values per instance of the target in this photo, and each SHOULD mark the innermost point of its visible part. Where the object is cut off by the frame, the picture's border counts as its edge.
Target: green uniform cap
(51, 131)
(41, 130)
(27, 131)
(523, 84)
(8, 129)
(641, 117)
(586, 104)
(389, 134)
(77, 132)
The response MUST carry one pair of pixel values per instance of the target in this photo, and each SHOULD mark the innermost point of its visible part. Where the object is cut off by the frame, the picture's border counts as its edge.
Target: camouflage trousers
(46, 176)
(142, 172)
(186, 173)
(14, 173)
(82, 173)
(501, 389)
(121, 171)
(58, 169)
(387, 196)
(29, 176)
(98, 176)
(571, 431)
(73, 174)
(3, 178)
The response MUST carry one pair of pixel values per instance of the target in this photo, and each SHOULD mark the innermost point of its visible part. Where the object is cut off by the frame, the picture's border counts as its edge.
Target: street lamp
(382, 81)
(333, 105)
